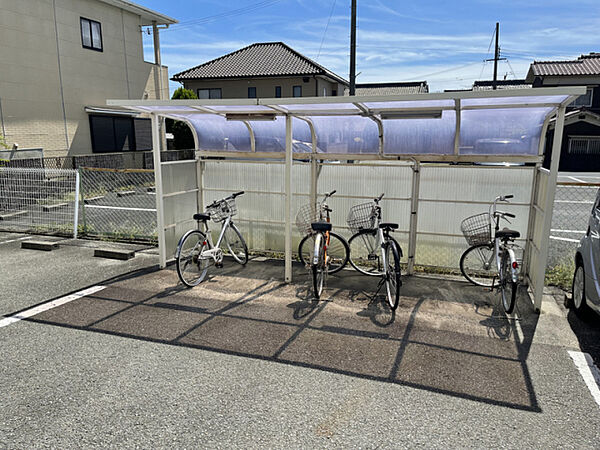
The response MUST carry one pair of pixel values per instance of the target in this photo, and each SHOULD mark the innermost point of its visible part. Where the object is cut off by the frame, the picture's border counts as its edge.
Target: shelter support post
(200, 183)
(76, 206)
(549, 206)
(414, 207)
(288, 199)
(160, 219)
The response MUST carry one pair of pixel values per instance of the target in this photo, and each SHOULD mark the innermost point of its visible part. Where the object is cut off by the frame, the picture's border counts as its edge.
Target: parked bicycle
(491, 254)
(373, 251)
(196, 253)
(321, 250)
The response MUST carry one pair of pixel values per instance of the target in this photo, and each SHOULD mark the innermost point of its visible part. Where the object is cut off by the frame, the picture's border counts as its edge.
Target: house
(62, 59)
(487, 85)
(401, 88)
(580, 149)
(267, 70)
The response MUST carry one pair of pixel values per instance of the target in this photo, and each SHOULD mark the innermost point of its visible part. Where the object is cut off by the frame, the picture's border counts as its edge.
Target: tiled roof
(584, 65)
(412, 87)
(486, 85)
(267, 59)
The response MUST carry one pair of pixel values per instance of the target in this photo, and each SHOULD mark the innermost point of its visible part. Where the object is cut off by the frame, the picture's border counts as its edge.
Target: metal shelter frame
(379, 109)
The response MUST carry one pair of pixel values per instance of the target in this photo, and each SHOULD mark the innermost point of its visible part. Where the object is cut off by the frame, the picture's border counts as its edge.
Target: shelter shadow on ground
(446, 336)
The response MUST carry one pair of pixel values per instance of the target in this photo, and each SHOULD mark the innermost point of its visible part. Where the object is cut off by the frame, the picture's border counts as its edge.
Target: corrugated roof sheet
(584, 65)
(267, 59)
(413, 87)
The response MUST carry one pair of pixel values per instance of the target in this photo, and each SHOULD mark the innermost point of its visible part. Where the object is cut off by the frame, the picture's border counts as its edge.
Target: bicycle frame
(215, 251)
(320, 235)
(499, 248)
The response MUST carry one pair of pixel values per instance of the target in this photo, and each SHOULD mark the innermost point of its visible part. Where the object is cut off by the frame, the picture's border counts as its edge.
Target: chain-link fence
(572, 207)
(118, 203)
(39, 200)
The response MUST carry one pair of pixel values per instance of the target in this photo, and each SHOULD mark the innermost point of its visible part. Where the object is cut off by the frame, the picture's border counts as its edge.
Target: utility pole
(496, 58)
(353, 49)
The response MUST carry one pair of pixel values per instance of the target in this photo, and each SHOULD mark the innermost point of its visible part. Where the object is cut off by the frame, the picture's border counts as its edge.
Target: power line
(325, 32)
(234, 12)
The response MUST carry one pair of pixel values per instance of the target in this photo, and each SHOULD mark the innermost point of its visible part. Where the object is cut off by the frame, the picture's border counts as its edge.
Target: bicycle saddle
(505, 233)
(201, 217)
(321, 226)
(388, 225)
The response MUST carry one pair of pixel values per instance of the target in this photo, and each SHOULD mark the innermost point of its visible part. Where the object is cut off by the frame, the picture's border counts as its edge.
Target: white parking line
(556, 238)
(589, 372)
(46, 306)
(579, 202)
(15, 240)
(557, 230)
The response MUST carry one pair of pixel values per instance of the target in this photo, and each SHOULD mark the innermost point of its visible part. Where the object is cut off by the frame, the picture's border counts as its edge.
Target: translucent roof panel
(420, 136)
(548, 99)
(242, 109)
(506, 131)
(410, 104)
(349, 134)
(320, 108)
(269, 135)
(216, 133)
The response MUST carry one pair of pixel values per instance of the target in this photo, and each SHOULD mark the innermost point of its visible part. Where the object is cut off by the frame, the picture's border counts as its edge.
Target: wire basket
(222, 210)
(306, 215)
(362, 217)
(477, 229)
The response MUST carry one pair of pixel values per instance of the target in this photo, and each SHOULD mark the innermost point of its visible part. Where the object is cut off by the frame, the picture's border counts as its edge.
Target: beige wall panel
(265, 87)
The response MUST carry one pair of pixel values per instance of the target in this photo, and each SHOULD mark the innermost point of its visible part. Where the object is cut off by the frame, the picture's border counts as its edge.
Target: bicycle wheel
(236, 245)
(508, 288)
(478, 266)
(365, 254)
(318, 268)
(392, 274)
(191, 266)
(338, 251)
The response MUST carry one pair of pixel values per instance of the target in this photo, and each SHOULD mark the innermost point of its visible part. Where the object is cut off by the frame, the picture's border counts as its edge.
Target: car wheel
(578, 290)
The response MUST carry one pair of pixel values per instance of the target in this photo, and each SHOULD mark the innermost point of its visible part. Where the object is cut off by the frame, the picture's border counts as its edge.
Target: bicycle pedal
(219, 265)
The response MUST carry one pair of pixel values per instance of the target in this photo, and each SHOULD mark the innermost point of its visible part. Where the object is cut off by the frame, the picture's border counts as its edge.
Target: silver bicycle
(196, 253)
(373, 251)
(491, 254)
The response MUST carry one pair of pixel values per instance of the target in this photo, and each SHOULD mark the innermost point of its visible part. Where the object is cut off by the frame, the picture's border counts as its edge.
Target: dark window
(251, 92)
(297, 91)
(91, 34)
(119, 134)
(585, 99)
(209, 93)
(277, 91)
(334, 92)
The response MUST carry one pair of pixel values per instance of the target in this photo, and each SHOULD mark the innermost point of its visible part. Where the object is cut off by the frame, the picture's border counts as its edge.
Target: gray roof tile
(267, 59)
(412, 87)
(584, 65)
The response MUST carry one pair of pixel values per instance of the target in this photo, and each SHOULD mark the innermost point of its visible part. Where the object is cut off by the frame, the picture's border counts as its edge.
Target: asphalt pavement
(246, 361)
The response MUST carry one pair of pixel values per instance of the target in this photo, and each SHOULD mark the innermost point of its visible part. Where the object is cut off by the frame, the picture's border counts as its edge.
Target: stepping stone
(6, 216)
(114, 253)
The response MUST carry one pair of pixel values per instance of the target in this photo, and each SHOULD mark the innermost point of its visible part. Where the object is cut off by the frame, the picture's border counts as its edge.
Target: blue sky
(443, 42)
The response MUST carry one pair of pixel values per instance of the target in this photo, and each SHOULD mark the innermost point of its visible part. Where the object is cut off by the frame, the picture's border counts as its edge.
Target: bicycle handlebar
(232, 196)
(331, 193)
(505, 214)
(378, 199)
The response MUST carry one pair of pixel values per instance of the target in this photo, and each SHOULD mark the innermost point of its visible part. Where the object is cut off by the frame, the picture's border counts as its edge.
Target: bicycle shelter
(439, 158)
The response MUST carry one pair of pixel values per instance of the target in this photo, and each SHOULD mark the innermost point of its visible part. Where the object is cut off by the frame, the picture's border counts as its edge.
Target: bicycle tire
(508, 287)
(478, 266)
(236, 245)
(338, 249)
(392, 275)
(364, 254)
(318, 272)
(190, 268)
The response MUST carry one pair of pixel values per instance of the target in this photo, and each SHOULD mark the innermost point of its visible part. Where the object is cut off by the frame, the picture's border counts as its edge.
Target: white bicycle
(491, 255)
(196, 253)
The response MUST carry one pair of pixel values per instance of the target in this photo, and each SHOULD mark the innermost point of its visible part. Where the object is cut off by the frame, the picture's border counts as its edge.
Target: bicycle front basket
(306, 215)
(361, 217)
(223, 209)
(477, 229)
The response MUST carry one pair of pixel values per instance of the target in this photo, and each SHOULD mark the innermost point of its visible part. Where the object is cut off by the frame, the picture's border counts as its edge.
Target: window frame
(294, 91)
(209, 93)
(254, 89)
(589, 89)
(88, 22)
(588, 140)
(132, 142)
(277, 91)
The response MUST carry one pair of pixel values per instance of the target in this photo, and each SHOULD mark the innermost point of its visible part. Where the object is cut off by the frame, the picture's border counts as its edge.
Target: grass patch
(561, 275)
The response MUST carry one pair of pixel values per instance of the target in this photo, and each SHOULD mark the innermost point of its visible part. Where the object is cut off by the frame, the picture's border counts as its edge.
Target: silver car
(586, 282)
